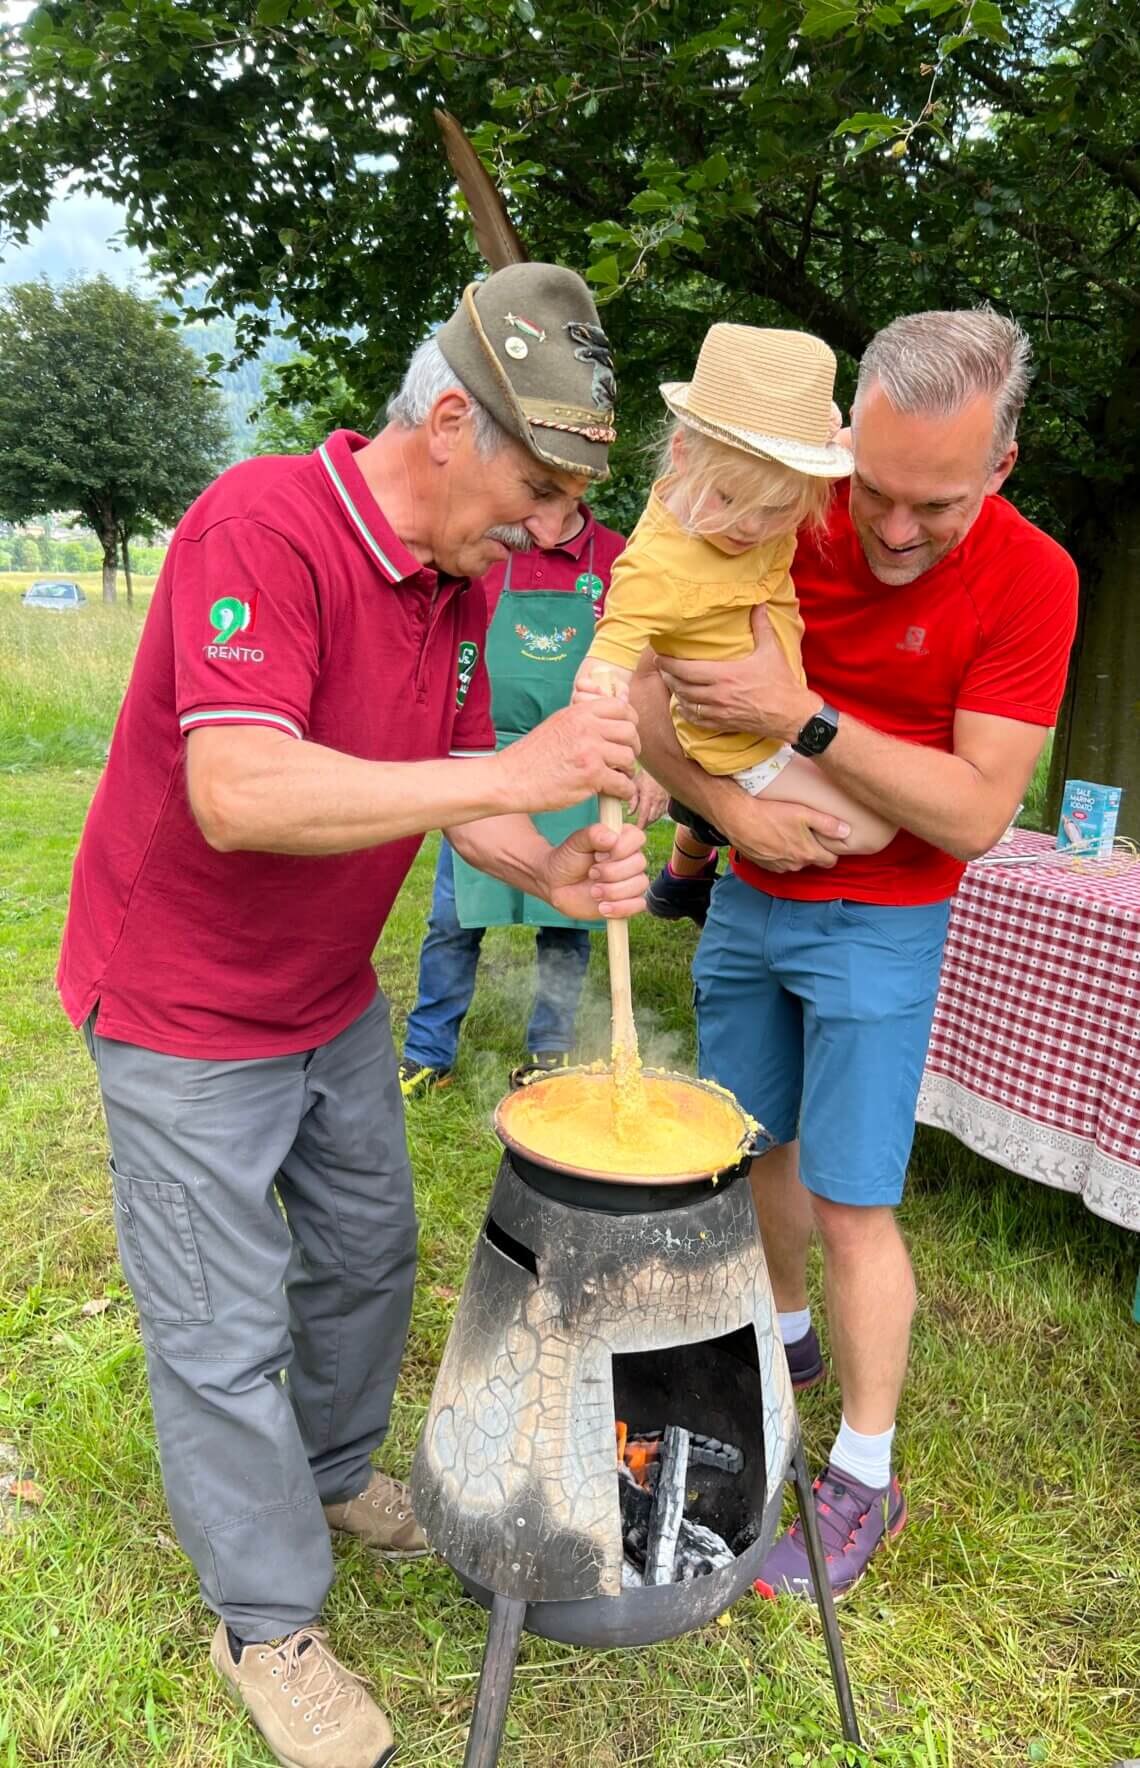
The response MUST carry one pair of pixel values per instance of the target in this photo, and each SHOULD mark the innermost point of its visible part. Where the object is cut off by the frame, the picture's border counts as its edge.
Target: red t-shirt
(987, 629)
(286, 600)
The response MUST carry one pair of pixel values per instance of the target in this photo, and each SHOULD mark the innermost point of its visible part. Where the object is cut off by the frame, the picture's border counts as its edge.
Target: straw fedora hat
(767, 392)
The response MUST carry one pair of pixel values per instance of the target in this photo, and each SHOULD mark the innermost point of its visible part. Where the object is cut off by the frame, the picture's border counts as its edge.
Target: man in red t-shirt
(938, 624)
(309, 697)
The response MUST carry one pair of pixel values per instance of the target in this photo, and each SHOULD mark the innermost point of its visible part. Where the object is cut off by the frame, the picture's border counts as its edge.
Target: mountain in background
(240, 388)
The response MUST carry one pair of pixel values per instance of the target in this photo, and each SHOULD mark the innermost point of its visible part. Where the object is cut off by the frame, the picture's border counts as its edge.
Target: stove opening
(509, 1246)
(689, 1438)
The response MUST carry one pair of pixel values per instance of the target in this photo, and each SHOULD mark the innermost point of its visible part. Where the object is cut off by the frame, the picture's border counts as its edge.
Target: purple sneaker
(854, 1520)
(805, 1360)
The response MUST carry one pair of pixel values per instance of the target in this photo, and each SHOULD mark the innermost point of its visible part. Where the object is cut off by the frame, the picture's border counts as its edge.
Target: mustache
(513, 536)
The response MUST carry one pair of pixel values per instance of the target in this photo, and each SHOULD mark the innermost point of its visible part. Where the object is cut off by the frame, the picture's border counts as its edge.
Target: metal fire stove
(590, 1301)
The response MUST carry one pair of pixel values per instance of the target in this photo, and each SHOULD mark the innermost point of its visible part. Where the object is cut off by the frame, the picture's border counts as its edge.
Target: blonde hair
(753, 484)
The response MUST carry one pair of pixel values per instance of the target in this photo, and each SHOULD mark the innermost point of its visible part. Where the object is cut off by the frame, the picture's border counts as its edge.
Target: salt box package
(1088, 818)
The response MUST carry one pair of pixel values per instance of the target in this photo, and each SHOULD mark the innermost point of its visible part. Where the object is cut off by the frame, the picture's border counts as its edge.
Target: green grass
(1003, 1628)
(62, 676)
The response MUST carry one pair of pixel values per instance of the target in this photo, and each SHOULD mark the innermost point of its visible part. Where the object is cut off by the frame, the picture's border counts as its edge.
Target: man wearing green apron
(543, 606)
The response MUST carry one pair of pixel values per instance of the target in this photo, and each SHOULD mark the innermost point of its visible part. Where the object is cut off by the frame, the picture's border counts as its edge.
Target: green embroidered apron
(535, 643)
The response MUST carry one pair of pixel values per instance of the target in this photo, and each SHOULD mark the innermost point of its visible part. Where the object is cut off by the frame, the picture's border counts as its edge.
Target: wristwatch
(817, 733)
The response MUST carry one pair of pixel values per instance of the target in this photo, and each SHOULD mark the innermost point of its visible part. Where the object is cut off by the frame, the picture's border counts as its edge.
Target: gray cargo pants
(266, 1227)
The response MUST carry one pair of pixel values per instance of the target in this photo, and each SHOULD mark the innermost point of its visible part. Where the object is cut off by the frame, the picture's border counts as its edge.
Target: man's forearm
(508, 847)
(959, 800)
(302, 798)
(778, 837)
(944, 799)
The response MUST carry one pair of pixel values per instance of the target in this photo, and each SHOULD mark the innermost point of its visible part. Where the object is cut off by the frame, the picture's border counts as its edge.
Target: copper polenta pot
(616, 1192)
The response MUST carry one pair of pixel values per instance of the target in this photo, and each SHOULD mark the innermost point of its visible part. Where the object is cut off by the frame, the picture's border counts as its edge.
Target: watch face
(816, 735)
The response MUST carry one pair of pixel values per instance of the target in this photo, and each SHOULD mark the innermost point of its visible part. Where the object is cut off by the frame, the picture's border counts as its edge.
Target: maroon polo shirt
(286, 600)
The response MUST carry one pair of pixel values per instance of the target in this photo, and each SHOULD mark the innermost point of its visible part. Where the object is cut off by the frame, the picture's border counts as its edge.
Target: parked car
(60, 593)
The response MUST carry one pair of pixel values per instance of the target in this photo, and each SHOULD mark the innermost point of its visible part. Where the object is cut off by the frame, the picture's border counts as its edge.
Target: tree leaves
(817, 164)
(102, 410)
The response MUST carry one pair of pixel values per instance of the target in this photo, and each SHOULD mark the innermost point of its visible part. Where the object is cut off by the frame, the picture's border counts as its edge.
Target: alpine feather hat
(528, 344)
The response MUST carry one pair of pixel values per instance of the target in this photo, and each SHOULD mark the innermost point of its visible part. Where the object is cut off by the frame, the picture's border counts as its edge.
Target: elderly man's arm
(256, 789)
(596, 871)
(777, 837)
(961, 802)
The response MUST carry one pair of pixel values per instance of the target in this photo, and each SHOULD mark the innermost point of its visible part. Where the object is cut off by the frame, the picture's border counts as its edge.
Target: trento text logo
(230, 616)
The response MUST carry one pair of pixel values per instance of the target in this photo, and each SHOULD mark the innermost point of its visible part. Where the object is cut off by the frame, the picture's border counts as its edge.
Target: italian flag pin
(525, 325)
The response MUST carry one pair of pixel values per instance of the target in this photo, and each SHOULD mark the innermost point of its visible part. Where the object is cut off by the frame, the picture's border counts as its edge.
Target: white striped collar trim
(361, 525)
(243, 715)
(469, 754)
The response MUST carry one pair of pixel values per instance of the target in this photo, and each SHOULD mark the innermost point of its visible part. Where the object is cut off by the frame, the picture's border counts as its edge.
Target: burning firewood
(682, 1548)
(668, 1506)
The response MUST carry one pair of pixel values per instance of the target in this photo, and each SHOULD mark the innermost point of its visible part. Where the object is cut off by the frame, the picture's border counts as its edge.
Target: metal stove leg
(500, 1652)
(824, 1595)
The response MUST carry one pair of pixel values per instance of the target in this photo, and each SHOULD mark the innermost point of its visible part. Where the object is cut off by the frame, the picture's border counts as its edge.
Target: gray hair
(427, 378)
(937, 362)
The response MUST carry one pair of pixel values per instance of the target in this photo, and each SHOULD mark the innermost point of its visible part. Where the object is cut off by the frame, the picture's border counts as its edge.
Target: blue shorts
(817, 1016)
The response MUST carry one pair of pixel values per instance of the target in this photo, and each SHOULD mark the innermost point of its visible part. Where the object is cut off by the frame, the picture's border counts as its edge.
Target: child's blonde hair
(752, 483)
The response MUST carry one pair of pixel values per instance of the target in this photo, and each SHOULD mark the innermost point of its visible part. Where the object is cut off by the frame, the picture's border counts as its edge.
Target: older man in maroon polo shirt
(309, 697)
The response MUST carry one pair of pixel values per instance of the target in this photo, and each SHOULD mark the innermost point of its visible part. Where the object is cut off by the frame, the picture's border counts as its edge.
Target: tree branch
(1122, 167)
(805, 226)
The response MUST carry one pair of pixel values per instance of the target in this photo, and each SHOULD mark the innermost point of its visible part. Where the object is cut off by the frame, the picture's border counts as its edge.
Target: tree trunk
(109, 540)
(127, 569)
(1098, 732)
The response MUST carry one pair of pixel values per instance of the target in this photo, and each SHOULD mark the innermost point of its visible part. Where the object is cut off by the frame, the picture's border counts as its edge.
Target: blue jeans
(449, 958)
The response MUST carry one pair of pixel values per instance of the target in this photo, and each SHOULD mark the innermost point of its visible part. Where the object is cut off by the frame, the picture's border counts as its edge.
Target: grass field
(1003, 1628)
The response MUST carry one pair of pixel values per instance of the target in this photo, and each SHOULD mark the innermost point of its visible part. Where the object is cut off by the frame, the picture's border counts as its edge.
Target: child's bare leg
(689, 856)
(802, 782)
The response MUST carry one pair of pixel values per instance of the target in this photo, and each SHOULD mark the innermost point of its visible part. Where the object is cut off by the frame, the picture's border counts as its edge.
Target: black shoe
(805, 1361)
(538, 1063)
(674, 899)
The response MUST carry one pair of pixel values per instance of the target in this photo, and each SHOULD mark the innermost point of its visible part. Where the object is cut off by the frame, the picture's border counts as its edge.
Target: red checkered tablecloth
(1034, 1057)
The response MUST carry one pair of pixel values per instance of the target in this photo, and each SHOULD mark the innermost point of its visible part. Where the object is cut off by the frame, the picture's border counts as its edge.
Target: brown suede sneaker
(381, 1517)
(311, 1712)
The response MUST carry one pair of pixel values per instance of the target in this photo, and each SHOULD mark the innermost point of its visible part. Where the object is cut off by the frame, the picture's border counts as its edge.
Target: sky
(78, 240)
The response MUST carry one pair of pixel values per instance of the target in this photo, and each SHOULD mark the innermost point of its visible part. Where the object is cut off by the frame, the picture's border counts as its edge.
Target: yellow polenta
(569, 1119)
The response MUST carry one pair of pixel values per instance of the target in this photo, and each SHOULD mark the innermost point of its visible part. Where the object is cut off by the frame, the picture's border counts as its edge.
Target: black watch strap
(818, 732)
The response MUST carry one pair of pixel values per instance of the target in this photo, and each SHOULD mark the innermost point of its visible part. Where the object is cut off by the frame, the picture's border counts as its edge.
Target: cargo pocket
(159, 1252)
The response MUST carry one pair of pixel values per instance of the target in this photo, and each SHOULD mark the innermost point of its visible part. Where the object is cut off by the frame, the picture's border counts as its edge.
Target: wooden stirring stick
(629, 1090)
(617, 942)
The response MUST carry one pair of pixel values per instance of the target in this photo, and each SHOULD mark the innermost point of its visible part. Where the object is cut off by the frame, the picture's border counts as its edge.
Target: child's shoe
(671, 898)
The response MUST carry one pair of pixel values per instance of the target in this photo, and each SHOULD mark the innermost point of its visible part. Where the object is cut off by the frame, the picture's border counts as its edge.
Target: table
(1034, 1057)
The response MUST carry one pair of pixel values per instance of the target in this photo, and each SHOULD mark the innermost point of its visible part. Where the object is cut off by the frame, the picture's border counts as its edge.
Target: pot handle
(758, 1142)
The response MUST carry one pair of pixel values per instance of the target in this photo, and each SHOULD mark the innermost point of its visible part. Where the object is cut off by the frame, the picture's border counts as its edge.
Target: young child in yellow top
(749, 461)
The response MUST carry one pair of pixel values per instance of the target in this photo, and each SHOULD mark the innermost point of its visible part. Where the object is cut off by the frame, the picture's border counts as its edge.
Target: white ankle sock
(794, 1325)
(865, 1458)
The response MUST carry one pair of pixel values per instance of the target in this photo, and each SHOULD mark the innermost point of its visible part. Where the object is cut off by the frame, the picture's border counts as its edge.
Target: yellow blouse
(682, 595)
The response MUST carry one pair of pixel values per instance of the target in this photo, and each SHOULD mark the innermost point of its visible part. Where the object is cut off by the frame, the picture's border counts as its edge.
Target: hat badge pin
(526, 326)
(515, 348)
